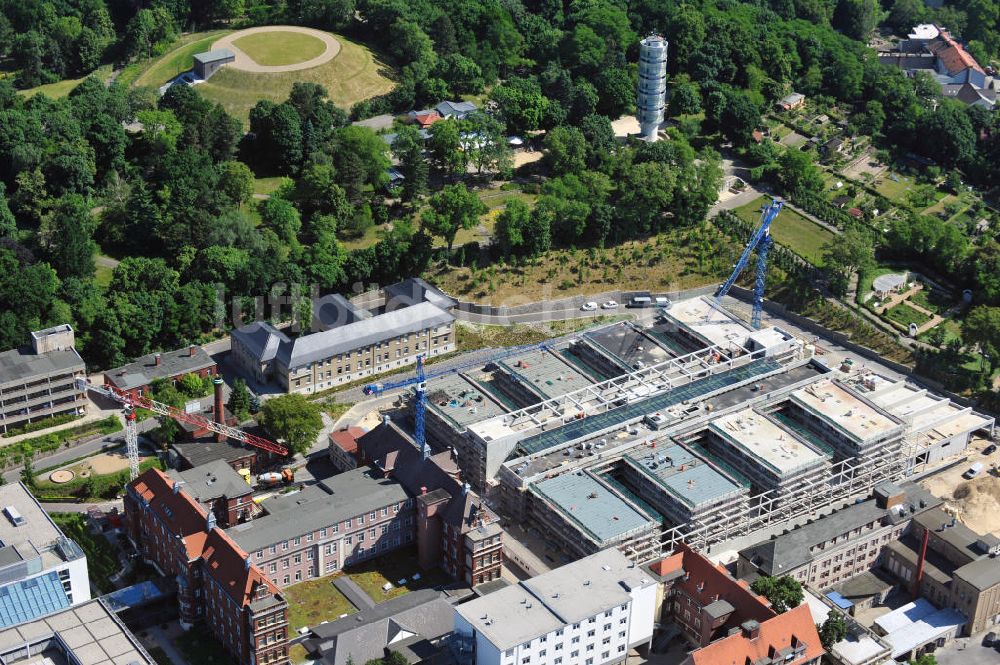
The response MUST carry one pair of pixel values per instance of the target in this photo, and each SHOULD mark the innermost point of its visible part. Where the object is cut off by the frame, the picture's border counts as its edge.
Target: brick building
(725, 621)
(220, 489)
(217, 582)
(454, 529)
(136, 377)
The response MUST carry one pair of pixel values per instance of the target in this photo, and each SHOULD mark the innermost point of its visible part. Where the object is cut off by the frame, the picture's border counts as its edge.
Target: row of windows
(335, 528)
(575, 654)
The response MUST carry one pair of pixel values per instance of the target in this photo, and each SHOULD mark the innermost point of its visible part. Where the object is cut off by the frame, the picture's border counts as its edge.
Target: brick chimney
(220, 407)
(192, 350)
(157, 359)
(750, 629)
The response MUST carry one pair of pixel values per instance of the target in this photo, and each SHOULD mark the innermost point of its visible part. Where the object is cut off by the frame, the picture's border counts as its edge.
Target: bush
(41, 424)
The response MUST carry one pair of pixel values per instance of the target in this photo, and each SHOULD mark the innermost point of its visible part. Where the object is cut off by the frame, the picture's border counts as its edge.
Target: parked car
(990, 449)
(610, 304)
(588, 306)
(973, 471)
(990, 639)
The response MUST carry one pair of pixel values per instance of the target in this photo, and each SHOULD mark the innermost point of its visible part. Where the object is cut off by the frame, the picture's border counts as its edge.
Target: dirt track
(246, 63)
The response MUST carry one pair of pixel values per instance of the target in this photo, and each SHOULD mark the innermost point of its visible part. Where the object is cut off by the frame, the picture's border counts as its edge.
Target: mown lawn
(353, 75)
(62, 88)
(792, 230)
(267, 185)
(157, 71)
(313, 601)
(272, 49)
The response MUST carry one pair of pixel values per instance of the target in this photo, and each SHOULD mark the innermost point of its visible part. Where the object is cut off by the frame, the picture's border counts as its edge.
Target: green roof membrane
(591, 425)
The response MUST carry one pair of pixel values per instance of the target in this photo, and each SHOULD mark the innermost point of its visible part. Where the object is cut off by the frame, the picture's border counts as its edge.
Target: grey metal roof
(593, 506)
(790, 550)
(261, 339)
(334, 310)
(144, 370)
(203, 451)
(211, 481)
(350, 494)
(220, 54)
(310, 348)
(448, 108)
(960, 537)
(414, 290)
(18, 365)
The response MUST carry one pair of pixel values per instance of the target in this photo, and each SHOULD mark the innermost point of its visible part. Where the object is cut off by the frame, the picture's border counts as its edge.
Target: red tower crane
(131, 402)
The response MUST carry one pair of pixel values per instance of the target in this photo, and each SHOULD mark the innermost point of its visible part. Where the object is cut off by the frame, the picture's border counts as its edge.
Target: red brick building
(136, 377)
(217, 582)
(724, 620)
(454, 528)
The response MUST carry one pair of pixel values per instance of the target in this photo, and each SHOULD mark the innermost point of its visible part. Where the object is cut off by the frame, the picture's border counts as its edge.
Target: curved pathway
(246, 63)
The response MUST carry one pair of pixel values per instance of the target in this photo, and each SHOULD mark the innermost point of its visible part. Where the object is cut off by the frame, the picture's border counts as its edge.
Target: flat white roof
(709, 320)
(763, 438)
(853, 648)
(843, 409)
(924, 31)
(916, 624)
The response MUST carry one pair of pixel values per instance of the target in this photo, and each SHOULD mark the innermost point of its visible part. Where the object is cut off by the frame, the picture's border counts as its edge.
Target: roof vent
(586, 583)
(14, 516)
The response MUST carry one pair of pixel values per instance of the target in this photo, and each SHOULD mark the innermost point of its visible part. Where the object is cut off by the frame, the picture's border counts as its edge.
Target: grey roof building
(352, 346)
(413, 624)
(413, 291)
(38, 381)
(209, 62)
(814, 553)
(448, 109)
(169, 365)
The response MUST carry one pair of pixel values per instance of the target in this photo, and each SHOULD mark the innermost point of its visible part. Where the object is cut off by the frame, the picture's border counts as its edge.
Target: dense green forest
(166, 183)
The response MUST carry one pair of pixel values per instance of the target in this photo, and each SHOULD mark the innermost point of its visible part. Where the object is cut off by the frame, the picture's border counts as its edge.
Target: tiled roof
(951, 54)
(784, 631)
(182, 515)
(144, 370)
(228, 565)
(347, 439)
(704, 581)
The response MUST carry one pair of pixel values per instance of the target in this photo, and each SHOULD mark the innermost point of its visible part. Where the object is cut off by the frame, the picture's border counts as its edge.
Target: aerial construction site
(686, 425)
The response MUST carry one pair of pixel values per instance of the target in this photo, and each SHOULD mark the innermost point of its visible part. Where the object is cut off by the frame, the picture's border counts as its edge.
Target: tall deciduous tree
(784, 592)
(451, 209)
(71, 247)
(294, 419)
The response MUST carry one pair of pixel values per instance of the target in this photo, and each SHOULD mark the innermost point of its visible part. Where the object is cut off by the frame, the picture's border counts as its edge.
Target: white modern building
(589, 612)
(41, 570)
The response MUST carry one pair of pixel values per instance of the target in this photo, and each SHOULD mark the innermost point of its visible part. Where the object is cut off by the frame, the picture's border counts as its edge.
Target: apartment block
(589, 612)
(39, 381)
(41, 570)
(217, 581)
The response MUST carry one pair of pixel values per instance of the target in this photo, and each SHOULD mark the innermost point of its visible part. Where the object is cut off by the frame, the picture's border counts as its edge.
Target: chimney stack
(423, 490)
(157, 359)
(220, 408)
(751, 629)
(192, 350)
(465, 488)
(246, 563)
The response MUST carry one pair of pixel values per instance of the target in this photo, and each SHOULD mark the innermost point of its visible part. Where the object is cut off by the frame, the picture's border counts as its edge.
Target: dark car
(990, 449)
(990, 639)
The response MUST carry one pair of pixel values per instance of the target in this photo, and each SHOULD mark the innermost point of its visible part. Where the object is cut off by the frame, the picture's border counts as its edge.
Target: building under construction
(696, 427)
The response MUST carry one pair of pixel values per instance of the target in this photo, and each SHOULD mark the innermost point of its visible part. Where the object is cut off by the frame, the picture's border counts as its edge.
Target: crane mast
(131, 402)
(760, 241)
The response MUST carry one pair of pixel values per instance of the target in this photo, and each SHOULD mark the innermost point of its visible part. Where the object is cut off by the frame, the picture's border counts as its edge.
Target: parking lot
(967, 651)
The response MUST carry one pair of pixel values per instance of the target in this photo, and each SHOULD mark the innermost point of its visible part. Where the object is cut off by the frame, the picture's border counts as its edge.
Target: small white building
(589, 612)
(42, 571)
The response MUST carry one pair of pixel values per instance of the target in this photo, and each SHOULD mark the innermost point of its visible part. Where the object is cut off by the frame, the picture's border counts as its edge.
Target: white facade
(590, 612)
(652, 93)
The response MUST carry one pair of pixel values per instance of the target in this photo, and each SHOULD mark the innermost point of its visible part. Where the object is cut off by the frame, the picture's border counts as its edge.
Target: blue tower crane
(421, 378)
(760, 241)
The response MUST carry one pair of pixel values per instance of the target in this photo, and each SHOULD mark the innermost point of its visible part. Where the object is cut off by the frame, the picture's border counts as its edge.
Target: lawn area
(157, 71)
(931, 300)
(200, 647)
(893, 189)
(904, 314)
(62, 88)
(313, 601)
(353, 75)
(267, 185)
(944, 200)
(865, 281)
(392, 567)
(285, 47)
(791, 230)
(952, 331)
(102, 560)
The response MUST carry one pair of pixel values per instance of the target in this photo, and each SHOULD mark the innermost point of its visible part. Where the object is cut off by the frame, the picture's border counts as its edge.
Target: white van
(662, 302)
(640, 301)
(973, 471)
